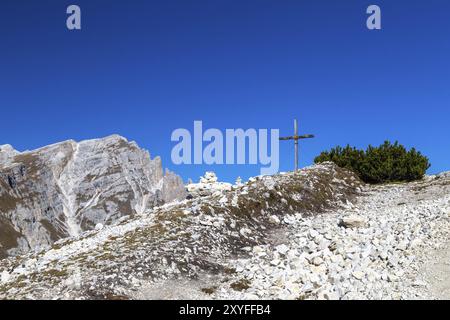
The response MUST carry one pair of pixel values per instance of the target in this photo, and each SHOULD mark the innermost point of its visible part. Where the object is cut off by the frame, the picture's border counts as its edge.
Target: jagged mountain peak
(7, 152)
(69, 187)
(7, 148)
(113, 138)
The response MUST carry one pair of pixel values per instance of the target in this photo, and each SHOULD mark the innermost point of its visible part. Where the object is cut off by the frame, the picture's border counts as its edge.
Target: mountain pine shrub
(386, 163)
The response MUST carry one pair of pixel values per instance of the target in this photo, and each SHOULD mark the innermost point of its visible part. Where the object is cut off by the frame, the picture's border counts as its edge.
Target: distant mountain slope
(64, 189)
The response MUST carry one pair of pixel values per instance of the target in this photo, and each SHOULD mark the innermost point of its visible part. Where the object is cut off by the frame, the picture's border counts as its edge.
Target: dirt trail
(437, 273)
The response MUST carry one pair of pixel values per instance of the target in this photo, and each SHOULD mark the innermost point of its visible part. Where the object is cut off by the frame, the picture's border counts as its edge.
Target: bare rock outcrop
(64, 189)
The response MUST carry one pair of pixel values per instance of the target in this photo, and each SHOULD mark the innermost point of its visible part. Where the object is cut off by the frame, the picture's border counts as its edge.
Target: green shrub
(386, 163)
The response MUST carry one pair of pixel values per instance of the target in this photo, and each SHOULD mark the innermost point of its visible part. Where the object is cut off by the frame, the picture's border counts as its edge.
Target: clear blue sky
(144, 68)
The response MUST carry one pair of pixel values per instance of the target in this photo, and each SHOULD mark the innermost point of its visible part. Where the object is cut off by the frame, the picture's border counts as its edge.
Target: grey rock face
(64, 189)
(7, 152)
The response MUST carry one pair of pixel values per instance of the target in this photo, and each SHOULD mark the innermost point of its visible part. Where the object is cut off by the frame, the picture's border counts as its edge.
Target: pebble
(274, 219)
(282, 249)
(358, 275)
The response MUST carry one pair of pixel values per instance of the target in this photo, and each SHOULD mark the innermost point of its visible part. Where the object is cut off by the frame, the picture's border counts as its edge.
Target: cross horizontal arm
(306, 136)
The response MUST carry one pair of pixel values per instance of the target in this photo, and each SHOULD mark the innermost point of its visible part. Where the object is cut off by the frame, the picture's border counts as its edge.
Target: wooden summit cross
(296, 137)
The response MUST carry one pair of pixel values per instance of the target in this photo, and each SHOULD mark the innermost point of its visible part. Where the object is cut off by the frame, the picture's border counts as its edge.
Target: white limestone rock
(353, 221)
(5, 276)
(66, 188)
(274, 219)
(207, 186)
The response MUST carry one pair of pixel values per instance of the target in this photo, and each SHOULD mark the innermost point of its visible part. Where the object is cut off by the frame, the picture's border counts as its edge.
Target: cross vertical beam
(296, 144)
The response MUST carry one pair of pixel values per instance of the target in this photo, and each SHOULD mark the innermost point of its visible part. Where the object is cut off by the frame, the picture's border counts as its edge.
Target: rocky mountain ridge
(319, 233)
(181, 240)
(67, 188)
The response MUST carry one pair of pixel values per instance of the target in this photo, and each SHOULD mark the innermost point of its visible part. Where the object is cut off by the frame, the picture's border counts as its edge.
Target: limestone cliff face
(64, 189)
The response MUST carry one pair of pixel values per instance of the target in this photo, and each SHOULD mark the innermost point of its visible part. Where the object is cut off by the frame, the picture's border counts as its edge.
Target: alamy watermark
(73, 21)
(234, 146)
(374, 20)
